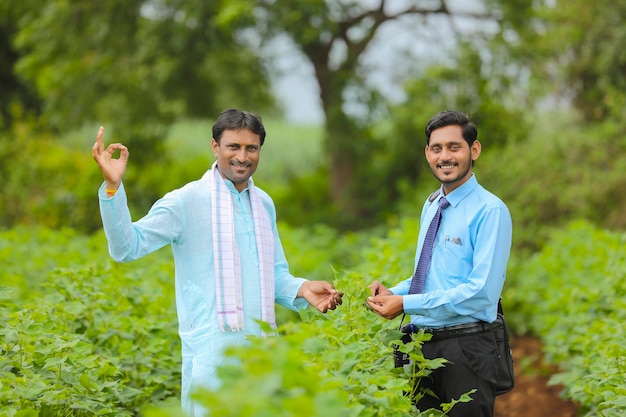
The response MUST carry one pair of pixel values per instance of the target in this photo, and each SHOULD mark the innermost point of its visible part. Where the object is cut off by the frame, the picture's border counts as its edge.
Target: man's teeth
(447, 166)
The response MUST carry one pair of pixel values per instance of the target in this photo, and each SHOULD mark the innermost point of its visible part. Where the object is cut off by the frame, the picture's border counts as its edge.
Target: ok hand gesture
(112, 169)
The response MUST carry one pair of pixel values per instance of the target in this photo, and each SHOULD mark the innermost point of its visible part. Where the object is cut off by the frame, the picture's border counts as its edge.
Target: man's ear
(475, 150)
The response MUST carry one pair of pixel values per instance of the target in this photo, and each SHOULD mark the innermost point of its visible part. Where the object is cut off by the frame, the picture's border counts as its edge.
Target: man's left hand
(387, 306)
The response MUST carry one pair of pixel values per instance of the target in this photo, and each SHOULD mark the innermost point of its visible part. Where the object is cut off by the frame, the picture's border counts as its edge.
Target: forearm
(127, 240)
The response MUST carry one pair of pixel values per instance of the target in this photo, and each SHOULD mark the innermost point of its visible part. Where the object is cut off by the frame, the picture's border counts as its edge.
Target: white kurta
(182, 218)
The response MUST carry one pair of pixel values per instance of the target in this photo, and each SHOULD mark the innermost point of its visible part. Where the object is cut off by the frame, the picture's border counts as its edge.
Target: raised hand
(112, 169)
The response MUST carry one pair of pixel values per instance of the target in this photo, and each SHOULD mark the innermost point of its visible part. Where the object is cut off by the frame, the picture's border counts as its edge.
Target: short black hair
(451, 118)
(234, 119)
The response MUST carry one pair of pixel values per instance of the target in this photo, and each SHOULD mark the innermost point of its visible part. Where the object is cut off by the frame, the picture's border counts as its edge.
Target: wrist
(302, 291)
(111, 188)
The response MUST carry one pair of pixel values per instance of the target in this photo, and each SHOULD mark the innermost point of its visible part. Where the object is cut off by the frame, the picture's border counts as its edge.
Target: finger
(124, 153)
(117, 146)
(100, 138)
(375, 307)
(98, 146)
(374, 287)
(331, 304)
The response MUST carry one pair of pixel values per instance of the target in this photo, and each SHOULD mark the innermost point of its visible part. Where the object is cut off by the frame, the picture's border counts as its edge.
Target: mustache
(239, 163)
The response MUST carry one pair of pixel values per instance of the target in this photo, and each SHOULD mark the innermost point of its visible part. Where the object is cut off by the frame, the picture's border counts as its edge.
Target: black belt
(453, 331)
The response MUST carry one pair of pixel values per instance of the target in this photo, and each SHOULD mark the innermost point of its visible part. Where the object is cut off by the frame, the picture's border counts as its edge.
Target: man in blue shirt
(457, 301)
(229, 262)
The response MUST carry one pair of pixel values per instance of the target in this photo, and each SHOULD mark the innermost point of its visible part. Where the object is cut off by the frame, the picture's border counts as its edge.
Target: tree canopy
(136, 64)
(142, 64)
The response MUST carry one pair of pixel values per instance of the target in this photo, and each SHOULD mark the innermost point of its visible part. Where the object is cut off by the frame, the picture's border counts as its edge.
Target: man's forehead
(240, 136)
(448, 135)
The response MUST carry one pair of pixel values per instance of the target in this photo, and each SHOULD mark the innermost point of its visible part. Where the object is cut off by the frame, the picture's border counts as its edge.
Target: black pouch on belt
(506, 374)
(400, 358)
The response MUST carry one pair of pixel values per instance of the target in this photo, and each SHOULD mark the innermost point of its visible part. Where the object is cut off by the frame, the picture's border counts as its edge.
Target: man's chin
(446, 178)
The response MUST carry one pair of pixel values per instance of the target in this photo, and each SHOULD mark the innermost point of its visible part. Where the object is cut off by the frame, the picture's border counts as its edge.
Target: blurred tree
(335, 35)
(16, 96)
(135, 65)
(467, 82)
(575, 54)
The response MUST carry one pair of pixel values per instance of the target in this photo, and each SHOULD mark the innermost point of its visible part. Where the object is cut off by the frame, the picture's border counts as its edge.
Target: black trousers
(472, 365)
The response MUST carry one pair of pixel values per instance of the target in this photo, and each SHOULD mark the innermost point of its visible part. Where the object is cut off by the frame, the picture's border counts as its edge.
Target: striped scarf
(229, 293)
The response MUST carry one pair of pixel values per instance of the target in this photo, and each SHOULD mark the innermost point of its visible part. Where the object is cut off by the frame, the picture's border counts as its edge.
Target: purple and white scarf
(229, 292)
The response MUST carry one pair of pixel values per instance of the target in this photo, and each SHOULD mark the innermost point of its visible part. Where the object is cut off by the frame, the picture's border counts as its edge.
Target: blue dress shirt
(468, 266)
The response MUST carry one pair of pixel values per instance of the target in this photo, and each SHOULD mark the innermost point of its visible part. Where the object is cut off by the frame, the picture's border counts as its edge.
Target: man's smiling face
(450, 157)
(237, 155)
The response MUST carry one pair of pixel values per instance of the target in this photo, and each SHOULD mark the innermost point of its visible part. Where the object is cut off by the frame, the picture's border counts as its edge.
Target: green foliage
(572, 295)
(134, 65)
(577, 49)
(564, 171)
(29, 254)
(17, 98)
(52, 180)
(336, 38)
(97, 339)
(337, 364)
(101, 338)
(44, 182)
(87, 336)
(151, 61)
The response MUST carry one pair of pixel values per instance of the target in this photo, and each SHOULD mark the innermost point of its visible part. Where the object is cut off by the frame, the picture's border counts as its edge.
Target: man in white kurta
(184, 219)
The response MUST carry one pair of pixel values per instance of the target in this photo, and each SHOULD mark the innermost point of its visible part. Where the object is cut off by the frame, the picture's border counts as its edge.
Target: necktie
(417, 283)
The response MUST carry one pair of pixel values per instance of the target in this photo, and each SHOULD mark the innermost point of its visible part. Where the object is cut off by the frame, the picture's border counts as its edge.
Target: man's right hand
(112, 169)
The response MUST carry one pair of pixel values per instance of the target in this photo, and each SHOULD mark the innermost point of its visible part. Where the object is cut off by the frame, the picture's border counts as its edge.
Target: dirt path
(532, 397)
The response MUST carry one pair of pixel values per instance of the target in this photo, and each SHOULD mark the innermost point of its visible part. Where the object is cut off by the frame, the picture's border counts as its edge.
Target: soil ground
(532, 396)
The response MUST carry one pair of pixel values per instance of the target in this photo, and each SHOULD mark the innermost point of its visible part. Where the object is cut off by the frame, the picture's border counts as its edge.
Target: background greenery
(543, 81)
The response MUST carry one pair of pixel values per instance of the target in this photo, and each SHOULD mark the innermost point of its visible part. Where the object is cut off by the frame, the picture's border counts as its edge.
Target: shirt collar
(455, 197)
(234, 190)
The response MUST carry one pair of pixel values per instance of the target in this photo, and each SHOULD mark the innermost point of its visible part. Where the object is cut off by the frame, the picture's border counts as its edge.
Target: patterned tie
(417, 283)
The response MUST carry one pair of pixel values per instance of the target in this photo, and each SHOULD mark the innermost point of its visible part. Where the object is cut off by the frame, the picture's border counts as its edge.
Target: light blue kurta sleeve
(127, 240)
(165, 222)
(287, 286)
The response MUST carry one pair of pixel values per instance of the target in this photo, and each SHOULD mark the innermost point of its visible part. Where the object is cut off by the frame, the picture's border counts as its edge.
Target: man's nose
(242, 154)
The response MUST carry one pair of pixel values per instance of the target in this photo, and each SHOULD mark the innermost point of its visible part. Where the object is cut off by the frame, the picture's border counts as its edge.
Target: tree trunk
(342, 142)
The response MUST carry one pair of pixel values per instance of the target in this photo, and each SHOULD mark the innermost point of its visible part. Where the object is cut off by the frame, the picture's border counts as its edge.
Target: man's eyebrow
(446, 143)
